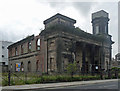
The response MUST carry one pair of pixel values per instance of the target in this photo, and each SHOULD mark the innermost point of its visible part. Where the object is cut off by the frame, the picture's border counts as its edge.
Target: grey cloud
(82, 7)
(59, 5)
(9, 36)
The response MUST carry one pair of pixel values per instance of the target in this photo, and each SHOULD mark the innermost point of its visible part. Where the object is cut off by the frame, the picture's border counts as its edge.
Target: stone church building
(61, 43)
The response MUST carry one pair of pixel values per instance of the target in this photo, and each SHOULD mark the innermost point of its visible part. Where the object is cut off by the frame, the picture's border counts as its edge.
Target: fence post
(9, 77)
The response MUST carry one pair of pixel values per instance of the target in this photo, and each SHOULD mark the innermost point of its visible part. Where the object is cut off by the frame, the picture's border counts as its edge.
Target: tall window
(37, 65)
(10, 52)
(16, 52)
(29, 66)
(97, 29)
(22, 49)
(105, 29)
(51, 63)
(22, 66)
(38, 44)
(29, 46)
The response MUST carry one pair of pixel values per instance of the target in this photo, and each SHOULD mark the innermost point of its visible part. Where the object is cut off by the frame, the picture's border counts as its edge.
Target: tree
(71, 68)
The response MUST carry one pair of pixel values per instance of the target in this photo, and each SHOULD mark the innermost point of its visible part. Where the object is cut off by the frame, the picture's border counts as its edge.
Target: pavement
(54, 85)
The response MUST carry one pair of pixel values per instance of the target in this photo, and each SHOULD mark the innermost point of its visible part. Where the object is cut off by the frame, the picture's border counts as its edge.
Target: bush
(71, 68)
(64, 79)
(38, 80)
(31, 81)
(4, 83)
(45, 79)
(51, 79)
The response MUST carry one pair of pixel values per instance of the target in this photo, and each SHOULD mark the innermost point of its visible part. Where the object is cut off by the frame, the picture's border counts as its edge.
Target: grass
(21, 79)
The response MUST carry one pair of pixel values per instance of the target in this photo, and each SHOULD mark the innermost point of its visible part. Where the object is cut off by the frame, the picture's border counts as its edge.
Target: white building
(4, 52)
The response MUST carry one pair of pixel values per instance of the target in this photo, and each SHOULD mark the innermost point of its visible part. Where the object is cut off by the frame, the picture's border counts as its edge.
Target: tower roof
(100, 13)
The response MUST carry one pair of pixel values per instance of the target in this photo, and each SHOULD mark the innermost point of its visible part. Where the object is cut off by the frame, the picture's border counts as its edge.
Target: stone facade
(62, 43)
(29, 52)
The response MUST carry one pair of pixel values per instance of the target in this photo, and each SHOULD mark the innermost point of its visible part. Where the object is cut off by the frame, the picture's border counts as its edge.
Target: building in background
(117, 57)
(116, 61)
(61, 43)
(4, 54)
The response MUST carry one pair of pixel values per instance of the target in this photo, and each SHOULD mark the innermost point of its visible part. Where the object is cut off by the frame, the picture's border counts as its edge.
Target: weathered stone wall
(29, 56)
(52, 64)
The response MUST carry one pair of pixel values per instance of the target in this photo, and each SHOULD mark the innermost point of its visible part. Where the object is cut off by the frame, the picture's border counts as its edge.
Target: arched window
(16, 52)
(10, 52)
(37, 65)
(22, 49)
(105, 29)
(51, 63)
(29, 47)
(38, 44)
(22, 66)
(97, 29)
(29, 66)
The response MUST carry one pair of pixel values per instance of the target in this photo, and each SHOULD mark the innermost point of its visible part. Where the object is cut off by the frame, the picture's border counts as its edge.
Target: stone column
(46, 57)
(93, 59)
(59, 55)
(102, 61)
(99, 58)
(109, 68)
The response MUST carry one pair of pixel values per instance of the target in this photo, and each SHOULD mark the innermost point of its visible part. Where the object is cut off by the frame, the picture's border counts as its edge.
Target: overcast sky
(20, 18)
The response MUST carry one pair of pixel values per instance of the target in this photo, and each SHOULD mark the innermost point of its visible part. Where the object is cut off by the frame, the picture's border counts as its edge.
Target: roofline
(22, 41)
(58, 15)
(100, 11)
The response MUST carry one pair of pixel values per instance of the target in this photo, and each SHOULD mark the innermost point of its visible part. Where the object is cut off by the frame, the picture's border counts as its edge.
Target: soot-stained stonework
(62, 43)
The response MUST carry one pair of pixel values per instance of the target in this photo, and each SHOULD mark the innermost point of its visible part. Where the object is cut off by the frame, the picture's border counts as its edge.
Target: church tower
(100, 22)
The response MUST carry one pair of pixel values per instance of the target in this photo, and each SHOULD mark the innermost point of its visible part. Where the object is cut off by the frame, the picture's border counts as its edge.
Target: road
(109, 86)
(104, 86)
